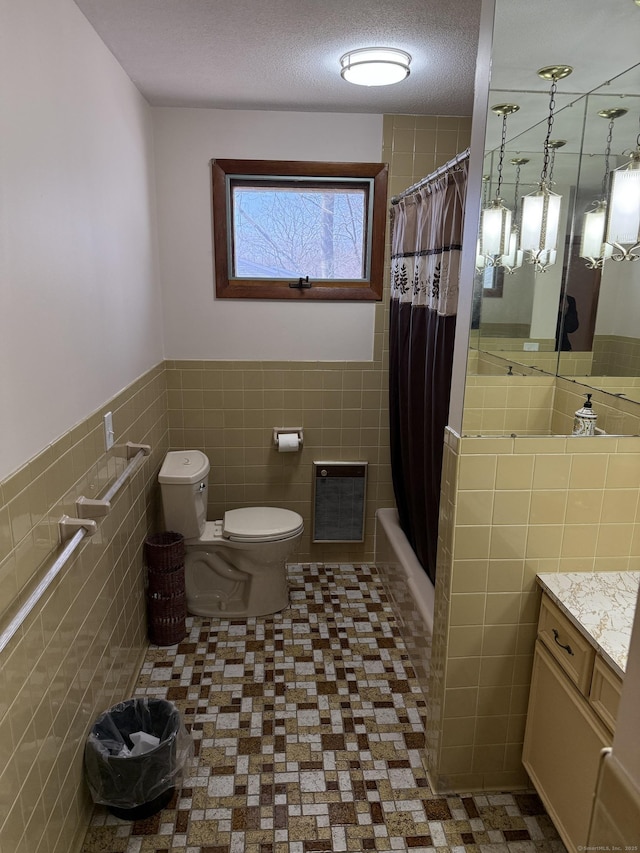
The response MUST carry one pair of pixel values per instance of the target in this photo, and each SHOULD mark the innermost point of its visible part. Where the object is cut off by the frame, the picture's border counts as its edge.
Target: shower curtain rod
(442, 170)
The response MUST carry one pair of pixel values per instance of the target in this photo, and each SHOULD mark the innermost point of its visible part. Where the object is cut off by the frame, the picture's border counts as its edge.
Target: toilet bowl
(235, 566)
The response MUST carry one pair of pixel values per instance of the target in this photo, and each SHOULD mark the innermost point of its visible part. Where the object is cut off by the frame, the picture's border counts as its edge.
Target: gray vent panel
(339, 501)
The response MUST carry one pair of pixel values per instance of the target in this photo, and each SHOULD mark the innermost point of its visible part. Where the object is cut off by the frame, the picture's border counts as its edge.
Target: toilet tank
(184, 484)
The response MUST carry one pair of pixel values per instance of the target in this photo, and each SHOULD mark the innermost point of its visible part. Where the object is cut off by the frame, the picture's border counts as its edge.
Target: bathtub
(411, 593)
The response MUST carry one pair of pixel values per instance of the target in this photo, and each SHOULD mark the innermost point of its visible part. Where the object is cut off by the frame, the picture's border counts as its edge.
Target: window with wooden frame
(493, 281)
(299, 230)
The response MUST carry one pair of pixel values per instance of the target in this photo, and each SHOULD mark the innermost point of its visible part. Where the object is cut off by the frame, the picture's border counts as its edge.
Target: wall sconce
(375, 66)
(495, 220)
(593, 247)
(623, 223)
(541, 209)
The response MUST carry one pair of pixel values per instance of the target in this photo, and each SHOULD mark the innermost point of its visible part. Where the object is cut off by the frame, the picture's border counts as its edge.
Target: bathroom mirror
(516, 312)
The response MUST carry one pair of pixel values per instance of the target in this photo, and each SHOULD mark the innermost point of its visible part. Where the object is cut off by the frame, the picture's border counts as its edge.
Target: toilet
(235, 566)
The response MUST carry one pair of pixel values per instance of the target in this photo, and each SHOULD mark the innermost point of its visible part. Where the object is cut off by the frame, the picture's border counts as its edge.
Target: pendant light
(547, 257)
(481, 260)
(623, 222)
(554, 145)
(593, 247)
(512, 260)
(541, 209)
(495, 220)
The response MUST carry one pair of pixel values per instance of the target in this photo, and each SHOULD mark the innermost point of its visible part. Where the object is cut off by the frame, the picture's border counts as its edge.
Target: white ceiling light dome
(375, 66)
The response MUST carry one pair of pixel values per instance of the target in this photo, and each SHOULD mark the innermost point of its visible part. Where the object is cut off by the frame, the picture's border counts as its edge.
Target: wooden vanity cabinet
(571, 716)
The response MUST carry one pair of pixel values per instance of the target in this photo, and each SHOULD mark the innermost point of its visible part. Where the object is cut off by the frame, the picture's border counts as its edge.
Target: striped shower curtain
(426, 229)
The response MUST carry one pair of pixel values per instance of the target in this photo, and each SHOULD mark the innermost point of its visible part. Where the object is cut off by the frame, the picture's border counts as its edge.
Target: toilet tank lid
(183, 466)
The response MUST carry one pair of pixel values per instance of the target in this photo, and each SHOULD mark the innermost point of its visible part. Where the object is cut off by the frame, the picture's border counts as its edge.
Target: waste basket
(166, 593)
(136, 786)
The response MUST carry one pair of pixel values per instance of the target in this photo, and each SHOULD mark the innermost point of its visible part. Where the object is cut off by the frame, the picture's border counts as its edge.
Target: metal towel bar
(72, 532)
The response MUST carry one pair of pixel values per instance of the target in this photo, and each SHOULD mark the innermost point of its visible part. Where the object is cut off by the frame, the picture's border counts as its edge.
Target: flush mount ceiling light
(375, 66)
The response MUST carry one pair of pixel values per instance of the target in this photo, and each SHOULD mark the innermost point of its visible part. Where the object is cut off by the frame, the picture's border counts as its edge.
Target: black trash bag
(136, 786)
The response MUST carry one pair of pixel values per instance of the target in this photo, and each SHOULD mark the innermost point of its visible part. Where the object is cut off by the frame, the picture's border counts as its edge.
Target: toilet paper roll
(288, 442)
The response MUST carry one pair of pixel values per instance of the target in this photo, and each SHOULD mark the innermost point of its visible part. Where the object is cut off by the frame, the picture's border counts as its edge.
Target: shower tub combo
(409, 588)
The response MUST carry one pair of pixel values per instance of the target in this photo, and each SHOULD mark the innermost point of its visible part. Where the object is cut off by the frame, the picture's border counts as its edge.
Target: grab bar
(135, 452)
(72, 531)
(39, 591)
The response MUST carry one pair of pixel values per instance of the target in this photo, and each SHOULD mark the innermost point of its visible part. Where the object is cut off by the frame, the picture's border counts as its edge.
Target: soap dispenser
(585, 420)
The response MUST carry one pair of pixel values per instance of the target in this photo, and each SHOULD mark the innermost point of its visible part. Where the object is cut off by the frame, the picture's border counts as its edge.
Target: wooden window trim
(229, 288)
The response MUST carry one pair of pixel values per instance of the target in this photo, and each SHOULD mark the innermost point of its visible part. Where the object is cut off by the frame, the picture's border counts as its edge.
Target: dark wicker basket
(166, 584)
(166, 596)
(169, 632)
(164, 552)
(167, 619)
(167, 608)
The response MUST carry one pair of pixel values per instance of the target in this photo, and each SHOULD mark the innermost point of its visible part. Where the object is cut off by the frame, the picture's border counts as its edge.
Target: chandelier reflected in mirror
(512, 260)
(593, 247)
(541, 209)
(495, 220)
(623, 221)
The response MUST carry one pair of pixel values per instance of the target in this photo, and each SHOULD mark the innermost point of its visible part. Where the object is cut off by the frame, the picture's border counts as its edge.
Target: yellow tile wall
(611, 357)
(616, 416)
(513, 507)
(80, 649)
(539, 404)
(628, 386)
(228, 409)
(574, 364)
(494, 355)
(616, 355)
(416, 145)
(508, 336)
(495, 405)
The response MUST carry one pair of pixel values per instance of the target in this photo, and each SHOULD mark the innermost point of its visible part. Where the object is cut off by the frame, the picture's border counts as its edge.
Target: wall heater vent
(339, 500)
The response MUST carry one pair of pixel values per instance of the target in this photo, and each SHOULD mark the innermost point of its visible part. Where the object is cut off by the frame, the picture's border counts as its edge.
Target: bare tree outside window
(324, 222)
(291, 232)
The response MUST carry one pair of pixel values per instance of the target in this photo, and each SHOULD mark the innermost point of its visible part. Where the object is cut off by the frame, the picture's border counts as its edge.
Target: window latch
(301, 283)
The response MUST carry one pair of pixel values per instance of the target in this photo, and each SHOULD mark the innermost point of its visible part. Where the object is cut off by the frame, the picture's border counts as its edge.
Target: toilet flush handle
(203, 486)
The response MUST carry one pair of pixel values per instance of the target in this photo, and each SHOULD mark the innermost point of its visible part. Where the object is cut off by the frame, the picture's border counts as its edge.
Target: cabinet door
(562, 747)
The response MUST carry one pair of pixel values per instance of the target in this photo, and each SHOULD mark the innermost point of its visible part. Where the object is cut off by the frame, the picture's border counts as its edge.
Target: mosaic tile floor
(307, 728)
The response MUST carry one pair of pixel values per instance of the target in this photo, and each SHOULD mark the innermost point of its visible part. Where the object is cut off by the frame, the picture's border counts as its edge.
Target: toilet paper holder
(278, 431)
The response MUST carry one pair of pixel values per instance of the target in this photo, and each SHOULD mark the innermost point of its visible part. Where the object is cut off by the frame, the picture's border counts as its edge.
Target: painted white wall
(80, 316)
(516, 303)
(619, 300)
(198, 326)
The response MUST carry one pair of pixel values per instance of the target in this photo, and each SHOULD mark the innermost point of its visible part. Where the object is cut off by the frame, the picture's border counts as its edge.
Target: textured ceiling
(284, 54)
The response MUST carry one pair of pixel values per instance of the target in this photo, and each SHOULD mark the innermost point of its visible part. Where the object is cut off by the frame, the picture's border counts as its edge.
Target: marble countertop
(601, 605)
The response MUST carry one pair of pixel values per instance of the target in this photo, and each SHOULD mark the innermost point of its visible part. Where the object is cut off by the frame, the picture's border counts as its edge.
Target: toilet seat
(261, 524)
